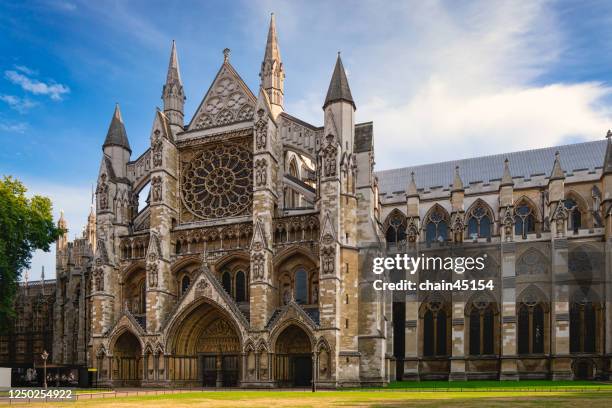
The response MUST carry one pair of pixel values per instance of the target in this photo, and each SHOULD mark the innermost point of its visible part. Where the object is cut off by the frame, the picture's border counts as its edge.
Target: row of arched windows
(235, 284)
(531, 329)
(479, 221)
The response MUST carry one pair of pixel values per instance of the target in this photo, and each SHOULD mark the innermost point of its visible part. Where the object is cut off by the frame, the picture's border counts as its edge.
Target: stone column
(508, 333)
(561, 365)
(457, 370)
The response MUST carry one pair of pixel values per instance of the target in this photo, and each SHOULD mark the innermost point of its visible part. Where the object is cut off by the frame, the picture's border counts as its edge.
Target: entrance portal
(293, 358)
(127, 360)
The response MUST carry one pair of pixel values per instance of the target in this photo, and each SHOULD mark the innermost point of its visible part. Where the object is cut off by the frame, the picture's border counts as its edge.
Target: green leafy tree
(26, 224)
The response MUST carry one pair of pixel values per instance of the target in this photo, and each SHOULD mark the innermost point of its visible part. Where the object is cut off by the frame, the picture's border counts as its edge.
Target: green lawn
(535, 385)
(390, 398)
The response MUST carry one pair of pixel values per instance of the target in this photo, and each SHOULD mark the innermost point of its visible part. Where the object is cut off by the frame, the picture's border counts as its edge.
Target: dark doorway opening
(302, 371)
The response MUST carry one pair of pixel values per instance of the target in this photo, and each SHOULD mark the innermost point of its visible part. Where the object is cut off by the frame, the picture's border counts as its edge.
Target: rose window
(218, 182)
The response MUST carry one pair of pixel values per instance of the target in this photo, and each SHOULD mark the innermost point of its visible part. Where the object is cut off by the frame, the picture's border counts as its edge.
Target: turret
(272, 72)
(339, 107)
(173, 94)
(116, 145)
(457, 196)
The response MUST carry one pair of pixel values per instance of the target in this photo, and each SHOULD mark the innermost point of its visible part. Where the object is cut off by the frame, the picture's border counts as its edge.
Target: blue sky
(441, 80)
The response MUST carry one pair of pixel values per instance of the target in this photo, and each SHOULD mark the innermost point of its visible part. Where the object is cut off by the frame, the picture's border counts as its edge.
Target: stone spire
(172, 93)
(607, 167)
(339, 89)
(557, 171)
(272, 72)
(62, 240)
(116, 135)
(507, 177)
(411, 190)
(457, 182)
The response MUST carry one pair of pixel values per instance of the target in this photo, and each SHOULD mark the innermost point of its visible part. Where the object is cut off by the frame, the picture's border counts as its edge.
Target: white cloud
(54, 90)
(442, 81)
(10, 127)
(21, 105)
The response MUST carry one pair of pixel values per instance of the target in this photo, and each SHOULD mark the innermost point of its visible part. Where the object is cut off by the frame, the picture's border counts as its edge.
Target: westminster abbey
(250, 264)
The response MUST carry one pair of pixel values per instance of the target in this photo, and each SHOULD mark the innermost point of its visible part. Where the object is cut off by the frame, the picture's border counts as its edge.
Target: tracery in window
(479, 221)
(395, 228)
(531, 313)
(436, 225)
(575, 215)
(435, 329)
(583, 325)
(481, 328)
(524, 218)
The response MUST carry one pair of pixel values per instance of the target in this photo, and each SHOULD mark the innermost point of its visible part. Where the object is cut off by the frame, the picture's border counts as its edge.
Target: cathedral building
(250, 265)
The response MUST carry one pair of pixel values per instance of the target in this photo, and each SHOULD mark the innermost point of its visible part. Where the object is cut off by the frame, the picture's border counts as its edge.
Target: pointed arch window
(575, 215)
(435, 330)
(301, 286)
(226, 282)
(481, 329)
(185, 282)
(583, 327)
(436, 229)
(524, 219)
(530, 328)
(479, 222)
(241, 287)
(396, 229)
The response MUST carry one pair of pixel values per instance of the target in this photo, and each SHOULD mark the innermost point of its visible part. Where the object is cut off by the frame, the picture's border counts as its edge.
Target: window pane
(523, 330)
(240, 287)
(391, 235)
(575, 328)
(474, 332)
(485, 227)
(226, 281)
(487, 331)
(185, 284)
(473, 228)
(301, 286)
(431, 232)
(441, 334)
(428, 334)
(589, 328)
(442, 233)
(538, 329)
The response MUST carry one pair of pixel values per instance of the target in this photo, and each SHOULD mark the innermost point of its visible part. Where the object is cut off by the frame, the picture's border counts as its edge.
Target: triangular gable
(259, 241)
(227, 101)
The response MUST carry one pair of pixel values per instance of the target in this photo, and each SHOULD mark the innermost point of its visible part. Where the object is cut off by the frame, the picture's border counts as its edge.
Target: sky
(441, 80)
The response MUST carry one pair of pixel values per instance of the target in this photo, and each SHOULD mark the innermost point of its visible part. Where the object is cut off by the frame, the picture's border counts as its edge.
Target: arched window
(575, 216)
(240, 287)
(301, 286)
(185, 282)
(530, 328)
(396, 229)
(479, 221)
(436, 229)
(143, 298)
(481, 329)
(226, 282)
(435, 330)
(524, 219)
(583, 327)
(292, 197)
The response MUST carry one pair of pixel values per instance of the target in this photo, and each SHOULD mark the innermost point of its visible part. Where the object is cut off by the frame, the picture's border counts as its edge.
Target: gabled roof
(116, 135)
(524, 164)
(228, 100)
(339, 89)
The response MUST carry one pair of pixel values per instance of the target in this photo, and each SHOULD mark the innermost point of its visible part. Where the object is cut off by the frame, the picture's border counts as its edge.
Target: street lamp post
(44, 356)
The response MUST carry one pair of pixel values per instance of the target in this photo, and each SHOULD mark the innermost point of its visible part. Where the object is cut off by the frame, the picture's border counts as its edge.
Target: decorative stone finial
(226, 54)
(609, 134)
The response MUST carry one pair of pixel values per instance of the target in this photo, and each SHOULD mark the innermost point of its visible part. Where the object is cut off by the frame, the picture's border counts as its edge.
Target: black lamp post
(44, 356)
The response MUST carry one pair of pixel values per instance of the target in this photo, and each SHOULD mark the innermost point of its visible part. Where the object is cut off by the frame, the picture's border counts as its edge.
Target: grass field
(388, 398)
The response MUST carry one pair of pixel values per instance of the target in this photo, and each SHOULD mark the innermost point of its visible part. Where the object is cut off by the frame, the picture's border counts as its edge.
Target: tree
(26, 224)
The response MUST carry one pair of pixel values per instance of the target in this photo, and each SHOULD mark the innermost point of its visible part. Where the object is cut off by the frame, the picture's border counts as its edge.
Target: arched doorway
(206, 348)
(127, 356)
(293, 358)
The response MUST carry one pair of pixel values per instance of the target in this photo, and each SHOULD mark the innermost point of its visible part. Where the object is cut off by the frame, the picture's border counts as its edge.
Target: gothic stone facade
(249, 265)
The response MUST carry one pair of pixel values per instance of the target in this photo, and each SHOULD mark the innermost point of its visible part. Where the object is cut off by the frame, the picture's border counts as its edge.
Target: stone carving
(261, 172)
(258, 266)
(217, 182)
(330, 158)
(261, 130)
(152, 272)
(98, 276)
(103, 193)
(412, 231)
(532, 262)
(156, 189)
(508, 223)
(225, 103)
(157, 147)
(328, 260)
